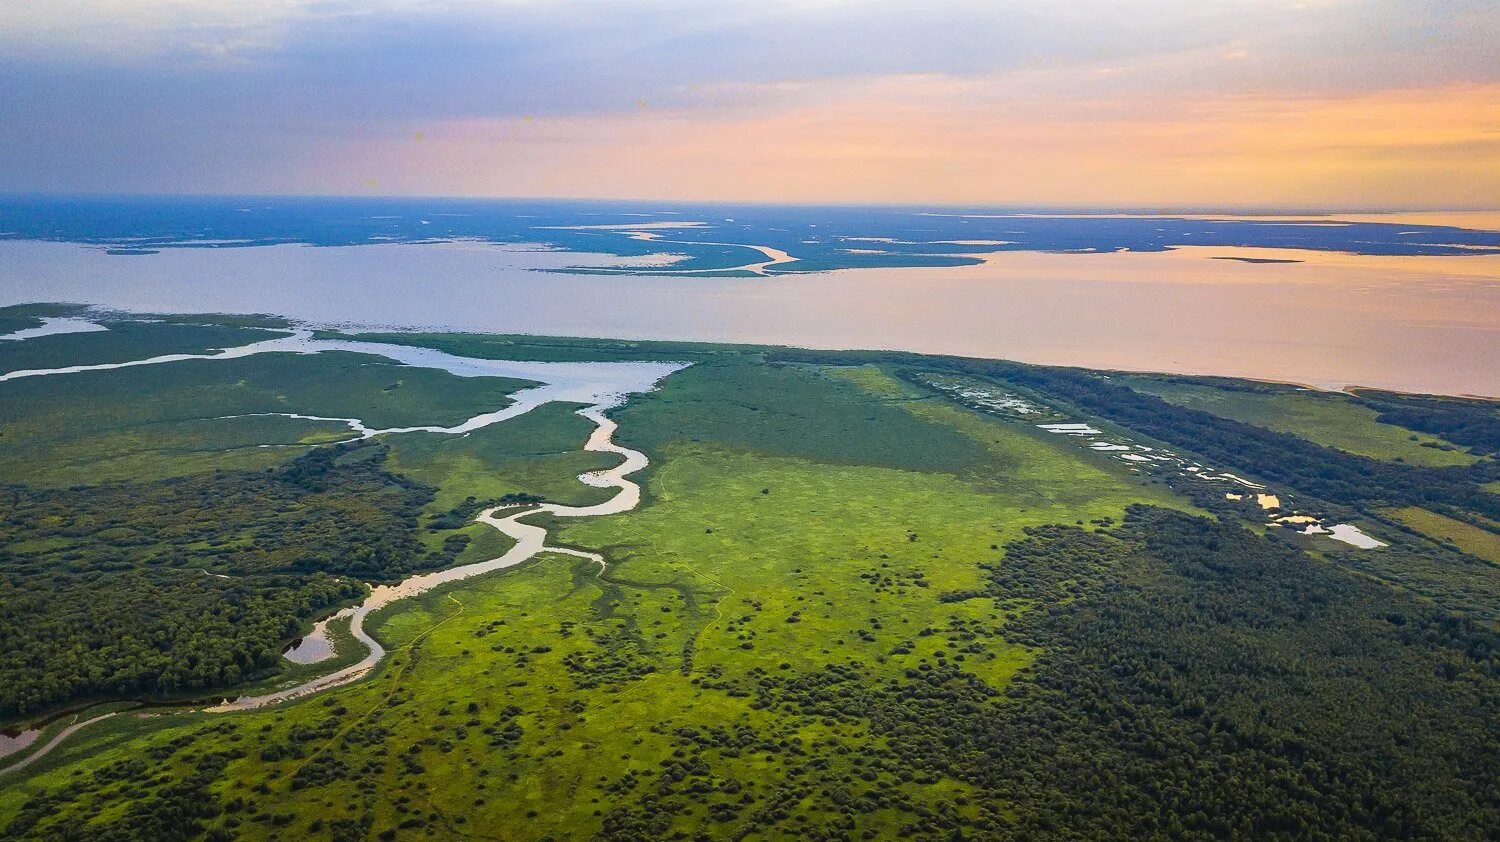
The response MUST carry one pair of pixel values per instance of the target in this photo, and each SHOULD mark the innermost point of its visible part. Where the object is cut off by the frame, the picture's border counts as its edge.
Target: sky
(1334, 104)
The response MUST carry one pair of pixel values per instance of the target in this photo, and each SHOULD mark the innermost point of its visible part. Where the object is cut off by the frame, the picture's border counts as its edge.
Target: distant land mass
(712, 239)
(1329, 300)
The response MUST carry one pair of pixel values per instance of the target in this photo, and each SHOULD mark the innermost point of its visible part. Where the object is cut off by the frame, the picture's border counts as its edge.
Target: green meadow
(124, 341)
(1327, 418)
(538, 454)
(1480, 543)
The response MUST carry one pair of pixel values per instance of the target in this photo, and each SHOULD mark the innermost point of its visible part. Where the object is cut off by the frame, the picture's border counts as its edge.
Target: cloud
(126, 94)
(920, 139)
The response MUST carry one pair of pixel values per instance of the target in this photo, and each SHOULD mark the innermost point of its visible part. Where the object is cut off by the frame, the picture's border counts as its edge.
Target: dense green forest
(1208, 683)
(191, 583)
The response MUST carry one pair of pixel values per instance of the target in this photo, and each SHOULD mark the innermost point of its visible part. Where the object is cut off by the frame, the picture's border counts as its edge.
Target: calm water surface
(1429, 324)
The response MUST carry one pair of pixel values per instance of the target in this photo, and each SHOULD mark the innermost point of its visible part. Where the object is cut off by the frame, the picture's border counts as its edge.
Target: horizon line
(1000, 206)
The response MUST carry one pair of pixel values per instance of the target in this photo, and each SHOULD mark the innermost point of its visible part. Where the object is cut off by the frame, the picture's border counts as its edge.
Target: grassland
(794, 410)
(1477, 542)
(539, 453)
(1329, 419)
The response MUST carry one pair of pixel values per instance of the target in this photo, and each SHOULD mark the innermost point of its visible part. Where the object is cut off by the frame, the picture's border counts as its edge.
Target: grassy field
(794, 410)
(540, 452)
(169, 419)
(1326, 418)
(1476, 542)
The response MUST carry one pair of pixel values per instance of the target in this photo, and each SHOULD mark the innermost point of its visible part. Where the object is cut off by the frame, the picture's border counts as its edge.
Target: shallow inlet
(54, 326)
(316, 646)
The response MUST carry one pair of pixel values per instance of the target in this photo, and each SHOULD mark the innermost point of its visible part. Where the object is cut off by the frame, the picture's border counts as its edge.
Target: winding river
(600, 386)
(531, 540)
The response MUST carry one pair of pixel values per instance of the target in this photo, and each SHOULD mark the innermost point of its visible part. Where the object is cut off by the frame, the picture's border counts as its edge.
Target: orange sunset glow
(933, 140)
(1286, 104)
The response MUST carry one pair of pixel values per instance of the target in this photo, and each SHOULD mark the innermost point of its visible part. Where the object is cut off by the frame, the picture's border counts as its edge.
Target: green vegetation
(538, 453)
(346, 651)
(1461, 584)
(23, 316)
(1470, 421)
(261, 320)
(848, 608)
(124, 341)
(1328, 418)
(191, 496)
(1281, 458)
(534, 457)
(1480, 543)
(180, 585)
(1274, 696)
(493, 346)
(171, 419)
(708, 594)
(794, 410)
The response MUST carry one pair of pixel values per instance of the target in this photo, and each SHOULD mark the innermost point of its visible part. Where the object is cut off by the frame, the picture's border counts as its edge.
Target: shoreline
(1415, 325)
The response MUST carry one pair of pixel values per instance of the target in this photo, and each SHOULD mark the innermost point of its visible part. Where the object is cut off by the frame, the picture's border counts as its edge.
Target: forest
(191, 583)
(1193, 681)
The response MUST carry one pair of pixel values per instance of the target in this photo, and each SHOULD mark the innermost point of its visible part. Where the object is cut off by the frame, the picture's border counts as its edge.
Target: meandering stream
(598, 385)
(531, 540)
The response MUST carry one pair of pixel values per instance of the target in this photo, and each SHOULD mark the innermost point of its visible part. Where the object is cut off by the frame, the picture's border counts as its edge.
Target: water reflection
(1413, 323)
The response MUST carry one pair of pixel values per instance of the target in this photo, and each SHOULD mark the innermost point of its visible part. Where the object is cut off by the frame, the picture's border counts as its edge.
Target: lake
(1425, 323)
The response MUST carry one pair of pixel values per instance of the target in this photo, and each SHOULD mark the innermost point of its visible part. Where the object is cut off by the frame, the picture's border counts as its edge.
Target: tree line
(185, 584)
